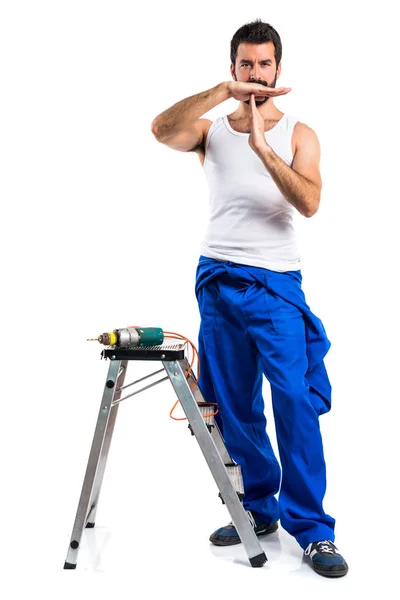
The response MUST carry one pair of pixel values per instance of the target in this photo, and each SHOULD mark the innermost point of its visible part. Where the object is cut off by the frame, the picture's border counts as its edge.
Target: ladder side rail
(176, 372)
(106, 445)
(98, 456)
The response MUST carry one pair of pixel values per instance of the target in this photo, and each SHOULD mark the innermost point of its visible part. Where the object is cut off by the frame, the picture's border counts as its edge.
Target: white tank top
(250, 220)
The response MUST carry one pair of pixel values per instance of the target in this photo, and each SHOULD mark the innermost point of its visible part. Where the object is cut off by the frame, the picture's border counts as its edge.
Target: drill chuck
(108, 339)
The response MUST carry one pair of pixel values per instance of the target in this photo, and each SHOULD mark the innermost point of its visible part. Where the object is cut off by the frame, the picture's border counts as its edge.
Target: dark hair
(256, 32)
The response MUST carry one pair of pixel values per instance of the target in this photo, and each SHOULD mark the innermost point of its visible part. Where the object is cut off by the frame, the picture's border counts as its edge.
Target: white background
(101, 228)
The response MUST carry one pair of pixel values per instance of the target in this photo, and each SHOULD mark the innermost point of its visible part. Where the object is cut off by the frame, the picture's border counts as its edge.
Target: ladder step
(234, 471)
(235, 475)
(207, 411)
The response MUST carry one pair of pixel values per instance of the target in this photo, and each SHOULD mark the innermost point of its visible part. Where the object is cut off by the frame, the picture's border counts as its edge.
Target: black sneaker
(325, 559)
(228, 535)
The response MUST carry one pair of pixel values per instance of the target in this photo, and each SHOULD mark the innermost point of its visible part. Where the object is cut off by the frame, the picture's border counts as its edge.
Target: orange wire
(179, 336)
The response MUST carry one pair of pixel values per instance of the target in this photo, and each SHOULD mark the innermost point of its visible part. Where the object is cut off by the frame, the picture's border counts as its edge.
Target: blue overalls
(255, 321)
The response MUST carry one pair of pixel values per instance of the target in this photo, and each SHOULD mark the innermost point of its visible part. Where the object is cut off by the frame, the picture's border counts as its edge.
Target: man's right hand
(241, 90)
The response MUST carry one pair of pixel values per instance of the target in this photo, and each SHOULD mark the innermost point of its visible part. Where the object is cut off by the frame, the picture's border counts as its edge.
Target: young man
(261, 166)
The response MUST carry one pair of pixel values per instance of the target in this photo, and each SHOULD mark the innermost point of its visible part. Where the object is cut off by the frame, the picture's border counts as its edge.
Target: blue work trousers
(255, 321)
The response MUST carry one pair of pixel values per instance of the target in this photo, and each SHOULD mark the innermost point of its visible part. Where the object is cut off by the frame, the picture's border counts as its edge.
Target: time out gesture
(249, 90)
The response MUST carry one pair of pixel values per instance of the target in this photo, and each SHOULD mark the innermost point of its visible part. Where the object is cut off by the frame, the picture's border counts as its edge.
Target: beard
(262, 82)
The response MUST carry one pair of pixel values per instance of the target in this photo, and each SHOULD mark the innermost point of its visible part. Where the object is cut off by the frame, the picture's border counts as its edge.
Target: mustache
(261, 81)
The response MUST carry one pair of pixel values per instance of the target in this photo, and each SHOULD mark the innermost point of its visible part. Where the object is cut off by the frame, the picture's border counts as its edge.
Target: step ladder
(226, 473)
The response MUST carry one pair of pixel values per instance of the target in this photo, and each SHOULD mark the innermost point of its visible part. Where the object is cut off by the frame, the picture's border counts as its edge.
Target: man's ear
(278, 71)
(233, 72)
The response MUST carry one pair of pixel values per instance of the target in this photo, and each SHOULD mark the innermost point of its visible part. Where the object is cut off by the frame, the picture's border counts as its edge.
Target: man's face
(256, 62)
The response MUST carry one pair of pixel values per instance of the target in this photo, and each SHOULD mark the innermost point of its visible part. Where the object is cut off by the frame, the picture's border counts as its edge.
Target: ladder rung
(138, 392)
(138, 380)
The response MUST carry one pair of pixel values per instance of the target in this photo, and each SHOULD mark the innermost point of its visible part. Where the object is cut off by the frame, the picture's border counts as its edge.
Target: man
(261, 165)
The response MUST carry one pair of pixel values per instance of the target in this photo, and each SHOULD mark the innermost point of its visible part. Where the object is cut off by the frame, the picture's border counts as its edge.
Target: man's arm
(180, 127)
(301, 184)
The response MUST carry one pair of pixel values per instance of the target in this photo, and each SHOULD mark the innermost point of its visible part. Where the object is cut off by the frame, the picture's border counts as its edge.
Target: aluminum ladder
(226, 473)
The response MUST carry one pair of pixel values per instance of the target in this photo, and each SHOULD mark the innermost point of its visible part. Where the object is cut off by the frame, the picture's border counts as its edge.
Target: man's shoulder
(302, 130)
(303, 135)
